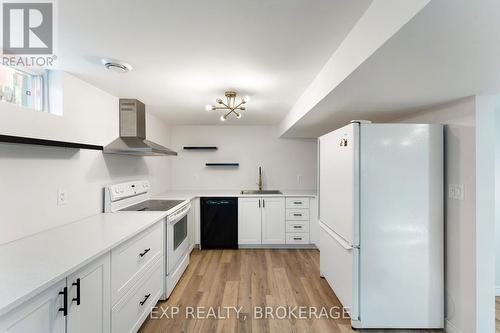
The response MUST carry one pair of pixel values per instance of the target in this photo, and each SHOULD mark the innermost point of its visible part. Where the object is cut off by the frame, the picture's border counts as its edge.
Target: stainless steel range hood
(132, 140)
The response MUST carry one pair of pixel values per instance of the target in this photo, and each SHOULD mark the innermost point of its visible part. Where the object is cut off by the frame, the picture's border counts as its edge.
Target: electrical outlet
(62, 197)
(456, 192)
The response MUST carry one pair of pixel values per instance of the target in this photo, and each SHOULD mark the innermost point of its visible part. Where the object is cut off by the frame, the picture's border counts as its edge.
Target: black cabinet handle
(64, 309)
(145, 251)
(77, 298)
(297, 238)
(259, 203)
(297, 214)
(263, 203)
(297, 202)
(145, 299)
(297, 226)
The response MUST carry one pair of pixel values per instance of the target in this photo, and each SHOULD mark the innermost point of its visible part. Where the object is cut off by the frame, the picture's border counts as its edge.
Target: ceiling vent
(116, 65)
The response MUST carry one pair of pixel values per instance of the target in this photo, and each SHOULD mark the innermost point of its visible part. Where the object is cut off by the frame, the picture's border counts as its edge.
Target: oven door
(177, 237)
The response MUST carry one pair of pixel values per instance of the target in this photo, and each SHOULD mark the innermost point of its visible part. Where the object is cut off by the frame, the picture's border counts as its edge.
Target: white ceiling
(451, 49)
(187, 53)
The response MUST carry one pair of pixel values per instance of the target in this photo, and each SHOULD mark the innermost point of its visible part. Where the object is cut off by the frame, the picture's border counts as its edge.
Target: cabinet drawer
(129, 260)
(297, 226)
(130, 312)
(297, 202)
(297, 214)
(297, 238)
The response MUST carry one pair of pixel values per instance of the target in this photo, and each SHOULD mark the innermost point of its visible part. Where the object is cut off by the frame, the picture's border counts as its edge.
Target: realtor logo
(27, 28)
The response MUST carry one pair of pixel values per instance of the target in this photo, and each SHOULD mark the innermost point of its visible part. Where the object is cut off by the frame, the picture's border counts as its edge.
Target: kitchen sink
(263, 192)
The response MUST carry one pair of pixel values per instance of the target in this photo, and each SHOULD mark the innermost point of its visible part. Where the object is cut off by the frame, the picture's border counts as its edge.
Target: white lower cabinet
(273, 221)
(130, 259)
(249, 221)
(141, 284)
(39, 315)
(297, 221)
(261, 221)
(83, 301)
(89, 298)
(133, 308)
(80, 303)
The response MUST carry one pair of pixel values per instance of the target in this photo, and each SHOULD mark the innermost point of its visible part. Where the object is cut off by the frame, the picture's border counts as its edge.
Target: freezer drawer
(338, 265)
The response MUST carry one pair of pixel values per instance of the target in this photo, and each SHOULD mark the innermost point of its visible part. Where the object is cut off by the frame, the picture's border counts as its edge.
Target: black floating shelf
(49, 143)
(200, 148)
(222, 164)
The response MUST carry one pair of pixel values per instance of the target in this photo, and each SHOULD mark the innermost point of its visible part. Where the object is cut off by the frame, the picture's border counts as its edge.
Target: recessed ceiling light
(116, 65)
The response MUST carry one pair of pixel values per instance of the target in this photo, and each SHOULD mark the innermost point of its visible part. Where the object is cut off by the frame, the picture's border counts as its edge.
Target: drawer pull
(297, 226)
(297, 202)
(144, 253)
(297, 214)
(77, 298)
(297, 238)
(64, 309)
(144, 300)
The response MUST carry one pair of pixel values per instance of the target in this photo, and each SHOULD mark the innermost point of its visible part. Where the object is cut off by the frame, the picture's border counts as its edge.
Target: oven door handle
(179, 214)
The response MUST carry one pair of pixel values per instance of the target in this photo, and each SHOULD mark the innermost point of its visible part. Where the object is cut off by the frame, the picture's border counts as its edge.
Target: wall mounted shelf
(49, 143)
(222, 164)
(200, 148)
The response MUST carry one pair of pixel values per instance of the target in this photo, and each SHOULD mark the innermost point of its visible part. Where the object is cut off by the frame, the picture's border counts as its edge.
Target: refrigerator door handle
(345, 244)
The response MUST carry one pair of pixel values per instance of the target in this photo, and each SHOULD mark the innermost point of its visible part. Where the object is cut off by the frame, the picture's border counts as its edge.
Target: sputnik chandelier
(231, 106)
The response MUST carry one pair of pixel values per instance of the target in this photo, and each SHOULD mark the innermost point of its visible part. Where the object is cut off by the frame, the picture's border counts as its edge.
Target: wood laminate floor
(497, 314)
(252, 279)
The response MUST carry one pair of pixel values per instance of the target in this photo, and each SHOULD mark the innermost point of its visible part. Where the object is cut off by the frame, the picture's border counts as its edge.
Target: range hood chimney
(132, 140)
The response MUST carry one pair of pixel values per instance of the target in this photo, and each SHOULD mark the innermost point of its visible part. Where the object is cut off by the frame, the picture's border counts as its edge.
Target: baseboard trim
(450, 328)
(277, 246)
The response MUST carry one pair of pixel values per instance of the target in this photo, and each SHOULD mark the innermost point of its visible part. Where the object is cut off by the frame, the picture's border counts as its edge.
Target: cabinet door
(249, 221)
(273, 221)
(93, 314)
(38, 315)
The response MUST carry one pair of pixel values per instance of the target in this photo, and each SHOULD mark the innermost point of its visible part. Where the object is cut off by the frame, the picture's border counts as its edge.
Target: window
(23, 87)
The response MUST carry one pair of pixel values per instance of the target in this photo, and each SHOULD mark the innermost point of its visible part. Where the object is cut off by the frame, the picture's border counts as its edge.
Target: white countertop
(32, 264)
(191, 194)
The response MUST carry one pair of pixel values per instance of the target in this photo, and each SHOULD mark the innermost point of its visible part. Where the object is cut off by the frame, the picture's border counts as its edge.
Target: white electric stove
(135, 196)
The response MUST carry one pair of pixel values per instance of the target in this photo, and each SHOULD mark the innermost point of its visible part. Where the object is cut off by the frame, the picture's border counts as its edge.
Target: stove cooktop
(153, 205)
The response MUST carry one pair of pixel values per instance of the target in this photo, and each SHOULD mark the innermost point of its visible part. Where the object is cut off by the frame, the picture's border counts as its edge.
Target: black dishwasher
(219, 223)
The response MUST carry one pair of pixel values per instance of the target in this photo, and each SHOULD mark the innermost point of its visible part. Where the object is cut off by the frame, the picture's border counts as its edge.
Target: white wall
(497, 205)
(486, 137)
(31, 176)
(460, 216)
(282, 160)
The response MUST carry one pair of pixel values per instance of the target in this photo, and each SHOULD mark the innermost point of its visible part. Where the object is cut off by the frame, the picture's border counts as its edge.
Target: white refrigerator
(381, 223)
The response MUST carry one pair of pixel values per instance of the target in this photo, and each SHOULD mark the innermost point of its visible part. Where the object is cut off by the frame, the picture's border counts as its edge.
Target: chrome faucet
(260, 183)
